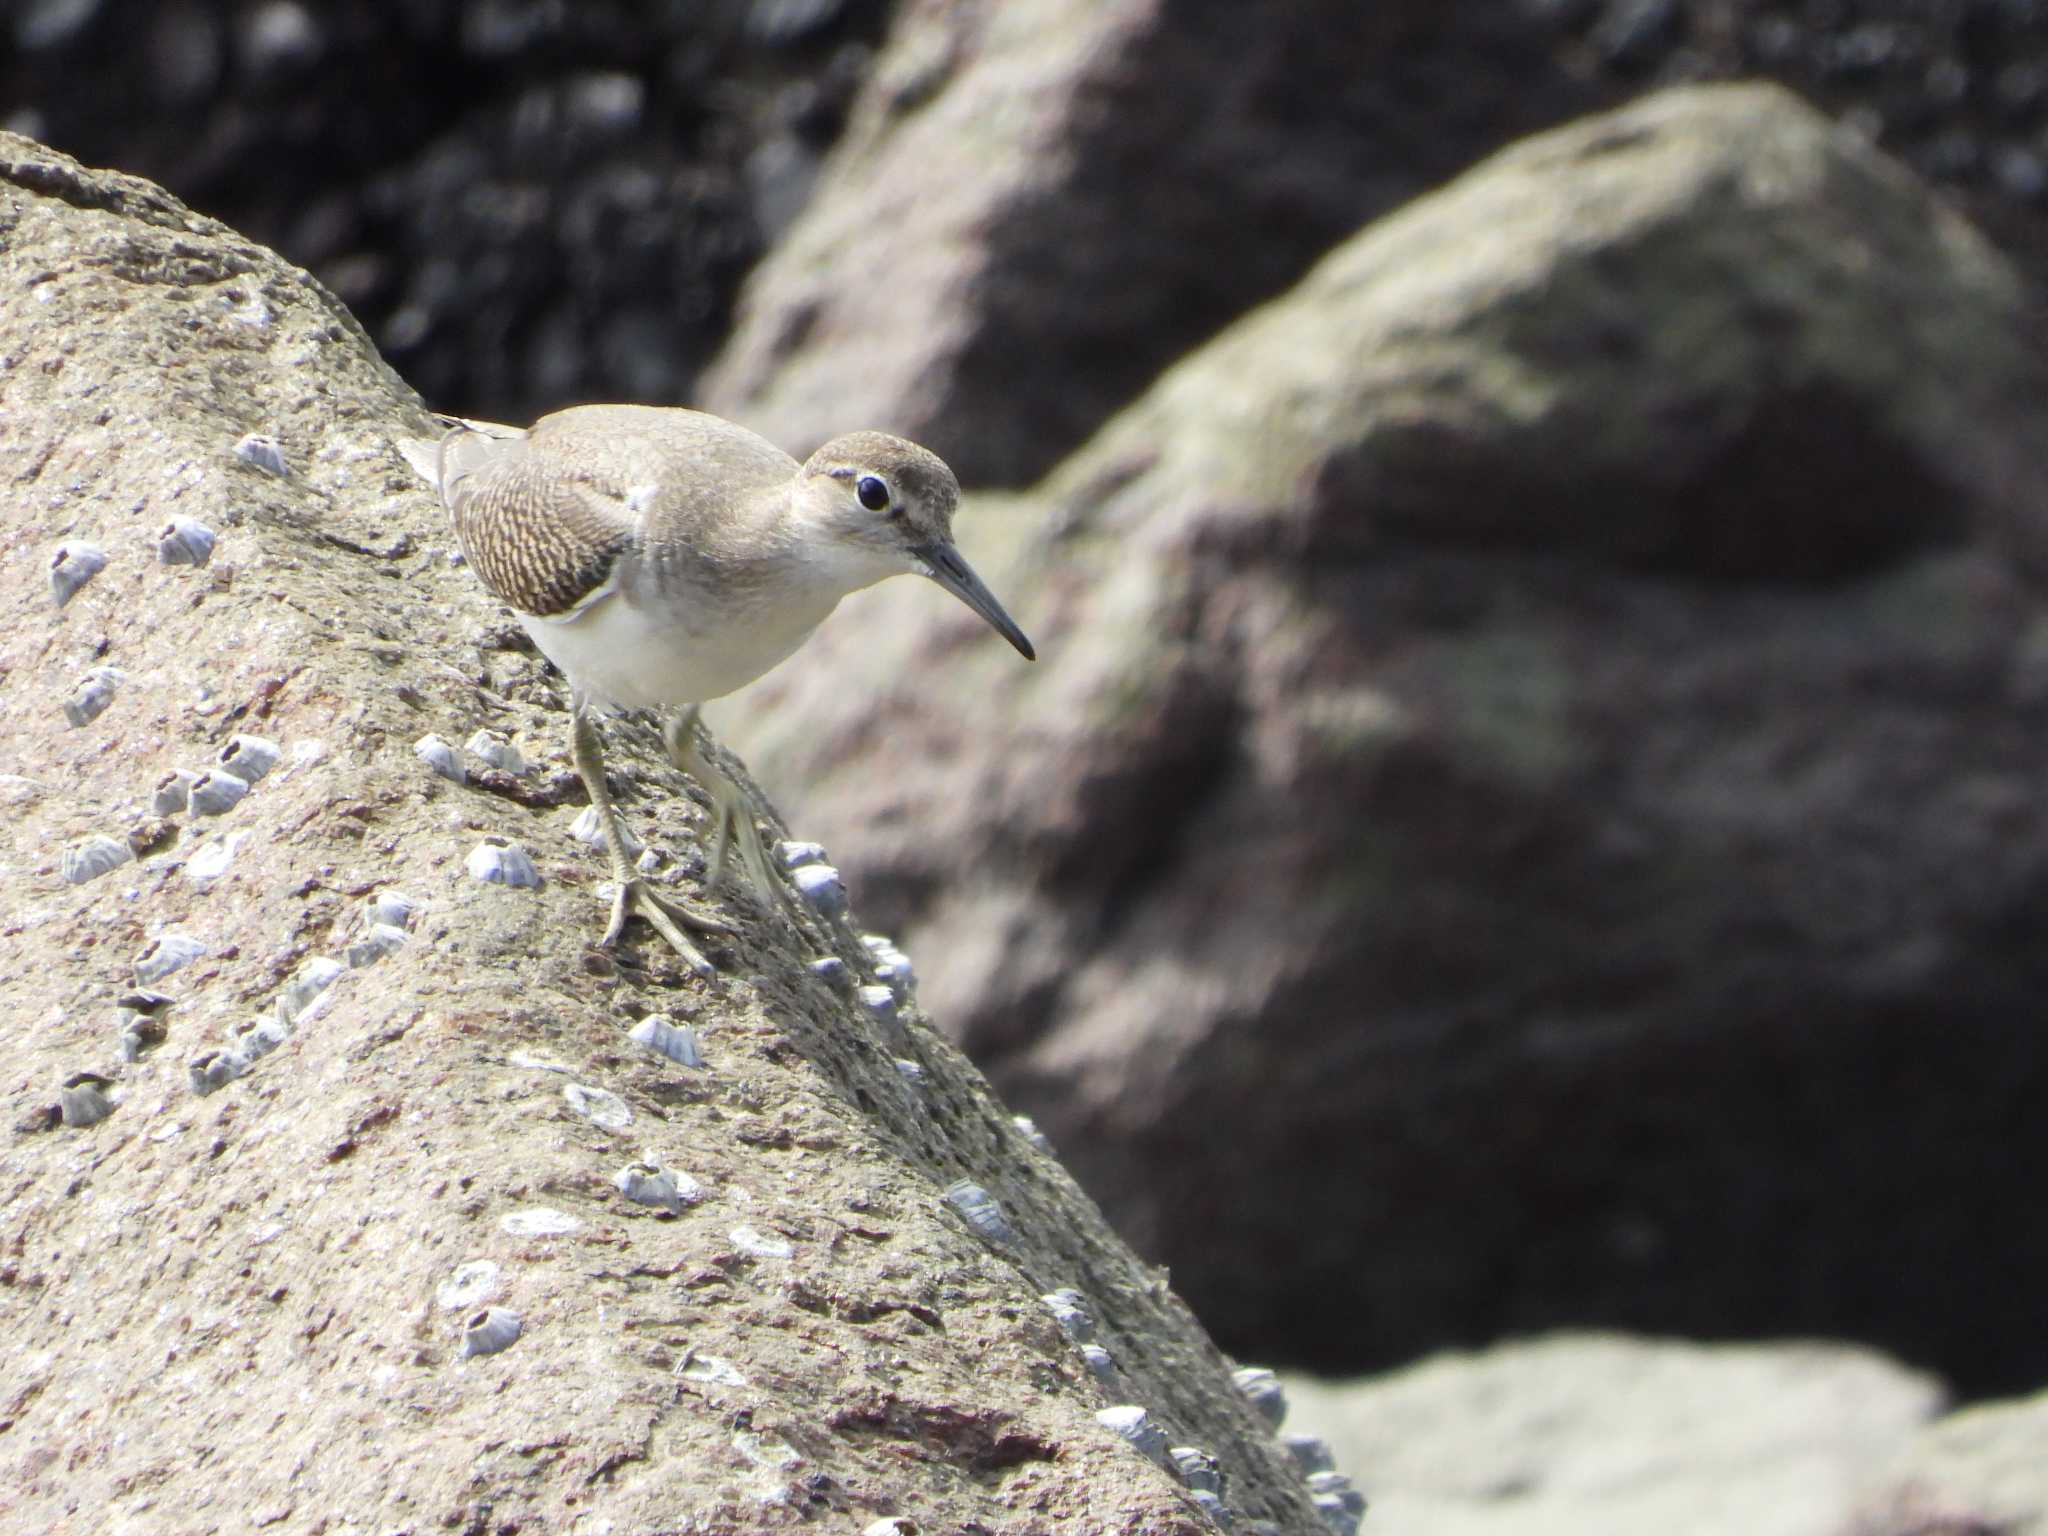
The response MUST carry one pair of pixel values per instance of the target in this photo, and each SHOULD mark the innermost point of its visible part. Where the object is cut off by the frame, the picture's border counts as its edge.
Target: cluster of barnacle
(387, 919)
(180, 541)
(895, 979)
(74, 563)
(140, 1015)
(494, 860)
(1339, 1504)
(491, 748)
(668, 1191)
(213, 790)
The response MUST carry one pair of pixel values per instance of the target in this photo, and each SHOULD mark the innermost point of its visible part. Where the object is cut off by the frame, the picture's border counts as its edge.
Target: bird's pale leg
(729, 809)
(634, 895)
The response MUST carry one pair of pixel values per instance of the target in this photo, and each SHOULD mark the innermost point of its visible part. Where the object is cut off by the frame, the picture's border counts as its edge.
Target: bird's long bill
(944, 564)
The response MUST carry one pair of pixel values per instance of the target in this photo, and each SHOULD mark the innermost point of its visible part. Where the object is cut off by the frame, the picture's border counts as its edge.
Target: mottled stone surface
(1529, 808)
(1604, 1435)
(240, 1300)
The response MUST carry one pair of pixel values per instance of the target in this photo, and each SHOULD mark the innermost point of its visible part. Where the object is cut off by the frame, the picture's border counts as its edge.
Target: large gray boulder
(1530, 808)
(1034, 209)
(1976, 1472)
(325, 1209)
(1604, 1435)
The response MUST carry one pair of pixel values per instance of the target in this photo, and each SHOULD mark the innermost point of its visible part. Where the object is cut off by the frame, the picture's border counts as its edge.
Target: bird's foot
(636, 898)
(739, 833)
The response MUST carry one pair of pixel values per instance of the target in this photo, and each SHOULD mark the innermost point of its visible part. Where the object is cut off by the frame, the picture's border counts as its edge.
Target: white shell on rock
(1211, 1504)
(262, 451)
(1311, 1453)
(302, 997)
(213, 858)
(795, 855)
(382, 939)
(392, 907)
(260, 1039)
(216, 792)
(1028, 1129)
(1136, 1426)
(72, 564)
(538, 1221)
(662, 1188)
(491, 1330)
(978, 1208)
(599, 1106)
(831, 967)
(471, 1284)
(588, 829)
(211, 1070)
(1070, 1310)
(820, 885)
(173, 795)
(897, 974)
(1197, 1468)
(678, 1042)
(136, 1031)
(92, 858)
(94, 693)
(1100, 1362)
(880, 1001)
(498, 862)
(1262, 1389)
(494, 750)
(83, 1100)
(166, 953)
(184, 541)
(713, 1369)
(757, 1244)
(248, 758)
(1341, 1505)
(439, 754)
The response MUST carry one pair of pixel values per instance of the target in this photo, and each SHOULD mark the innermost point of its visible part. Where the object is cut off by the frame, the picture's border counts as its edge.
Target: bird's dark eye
(873, 492)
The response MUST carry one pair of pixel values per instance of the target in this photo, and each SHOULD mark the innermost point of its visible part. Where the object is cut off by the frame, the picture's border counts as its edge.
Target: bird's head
(886, 506)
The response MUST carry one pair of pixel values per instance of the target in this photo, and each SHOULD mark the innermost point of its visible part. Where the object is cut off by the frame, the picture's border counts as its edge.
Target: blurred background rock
(1530, 813)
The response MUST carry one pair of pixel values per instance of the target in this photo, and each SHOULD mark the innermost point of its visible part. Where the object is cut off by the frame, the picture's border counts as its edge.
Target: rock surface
(334, 1188)
(1036, 208)
(1603, 1435)
(1530, 809)
(1979, 1472)
(1591, 1435)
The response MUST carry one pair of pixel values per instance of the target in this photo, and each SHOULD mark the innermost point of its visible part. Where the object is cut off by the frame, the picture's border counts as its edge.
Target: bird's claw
(668, 918)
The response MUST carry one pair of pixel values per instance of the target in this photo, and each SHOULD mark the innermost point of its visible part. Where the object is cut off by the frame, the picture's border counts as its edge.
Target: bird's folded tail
(461, 449)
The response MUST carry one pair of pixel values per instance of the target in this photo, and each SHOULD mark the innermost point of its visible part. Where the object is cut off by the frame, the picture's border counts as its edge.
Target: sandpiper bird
(662, 558)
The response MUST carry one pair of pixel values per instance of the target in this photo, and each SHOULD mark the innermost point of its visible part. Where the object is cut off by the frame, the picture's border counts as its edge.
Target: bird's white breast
(621, 655)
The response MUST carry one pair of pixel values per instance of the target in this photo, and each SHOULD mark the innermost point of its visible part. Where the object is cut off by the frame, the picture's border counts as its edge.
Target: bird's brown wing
(545, 539)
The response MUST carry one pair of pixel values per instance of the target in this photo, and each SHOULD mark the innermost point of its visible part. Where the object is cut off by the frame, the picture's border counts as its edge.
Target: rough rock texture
(1530, 811)
(1979, 1472)
(243, 1309)
(1602, 1435)
(1597, 1435)
(1036, 208)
